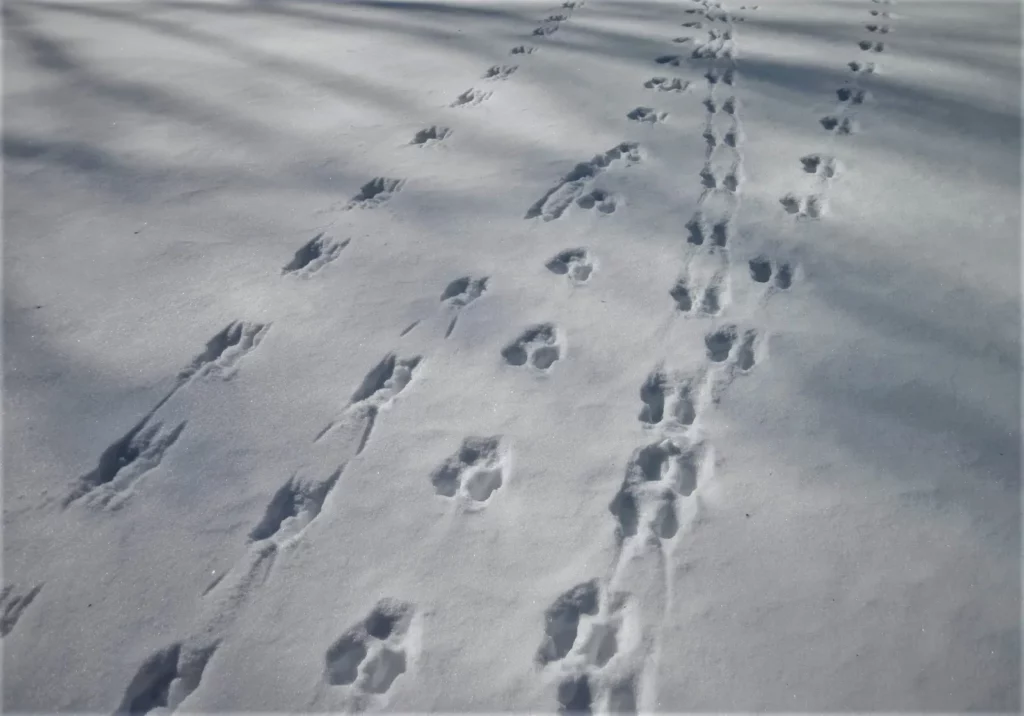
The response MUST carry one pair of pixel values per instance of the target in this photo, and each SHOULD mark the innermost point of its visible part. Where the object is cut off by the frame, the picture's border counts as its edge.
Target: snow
(355, 361)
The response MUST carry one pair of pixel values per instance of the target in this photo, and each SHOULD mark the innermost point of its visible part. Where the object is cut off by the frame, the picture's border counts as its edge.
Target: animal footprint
(460, 293)
(474, 472)
(574, 263)
(165, 679)
(671, 60)
(571, 187)
(522, 50)
(725, 343)
(862, 68)
(869, 46)
(375, 192)
(664, 84)
(223, 352)
(839, 125)
(470, 98)
(500, 72)
(539, 345)
(431, 135)
(726, 77)
(293, 507)
(711, 301)
(667, 400)
(761, 272)
(851, 95)
(12, 603)
(314, 255)
(880, 29)
(562, 621)
(604, 201)
(821, 166)
(699, 230)
(377, 391)
(646, 114)
(369, 656)
(812, 207)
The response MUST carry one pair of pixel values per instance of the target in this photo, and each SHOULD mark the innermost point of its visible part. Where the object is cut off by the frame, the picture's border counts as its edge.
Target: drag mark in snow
(12, 603)
(314, 255)
(540, 346)
(378, 390)
(474, 473)
(574, 185)
(364, 662)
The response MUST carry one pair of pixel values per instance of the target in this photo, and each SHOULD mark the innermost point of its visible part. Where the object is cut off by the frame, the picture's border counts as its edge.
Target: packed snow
(436, 355)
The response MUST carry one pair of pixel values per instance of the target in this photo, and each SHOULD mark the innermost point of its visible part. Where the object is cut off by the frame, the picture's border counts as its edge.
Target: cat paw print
(540, 346)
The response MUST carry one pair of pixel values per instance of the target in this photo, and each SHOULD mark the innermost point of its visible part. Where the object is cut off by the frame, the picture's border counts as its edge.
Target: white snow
(437, 355)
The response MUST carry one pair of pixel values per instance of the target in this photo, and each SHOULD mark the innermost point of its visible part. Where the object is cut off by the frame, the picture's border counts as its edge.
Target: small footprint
(605, 202)
(562, 621)
(862, 68)
(369, 656)
(165, 679)
(671, 60)
(761, 271)
(460, 293)
(474, 472)
(667, 400)
(880, 29)
(812, 206)
(664, 84)
(695, 24)
(431, 135)
(839, 125)
(522, 50)
(821, 166)
(470, 98)
(293, 507)
(851, 95)
(500, 72)
(646, 114)
(869, 46)
(576, 264)
(375, 192)
(539, 345)
(725, 343)
(314, 255)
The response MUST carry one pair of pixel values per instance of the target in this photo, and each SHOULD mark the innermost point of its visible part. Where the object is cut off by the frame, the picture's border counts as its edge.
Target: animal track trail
(165, 679)
(459, 294)
(293, 508)
(371, 655)
(477, 470)
(574, 264)
(577, 182)
(375, 192)
(314, 255)
(430, 136)
(13, 603)
(378, 390)
(500, 72)
(540, 346)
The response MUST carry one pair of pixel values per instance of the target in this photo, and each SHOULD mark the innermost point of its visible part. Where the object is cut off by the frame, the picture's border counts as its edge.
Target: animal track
(869, 46)
(862, 68)
(761, 272)
(369, 656)
(725, 343)
(431, 135)
(539, 345)
(574, 696)
(571, 187)
(460, 293)
(379, 388)
(375, 192)
(671, 60)
(700, 230)
(474, 472)
(295, 505)
(605, 202)
(851, 95)
(574, 263)
(562, 621)
(13, 603)
(165, 679)
(667, 400)
(880, 29)
(646, 114)
(656, 476)
(550, 25)
(664, 84)
(223, 352)
(821, 166)
(522, 50)
(711, 300)
(726, 77)
(839, 125)
(500, 72)
(812, 206)
(123, 464)
(314, 255)
(470, 98)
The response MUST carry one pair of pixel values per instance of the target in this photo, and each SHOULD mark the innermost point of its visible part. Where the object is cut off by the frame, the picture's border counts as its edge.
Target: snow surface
(355, 361)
